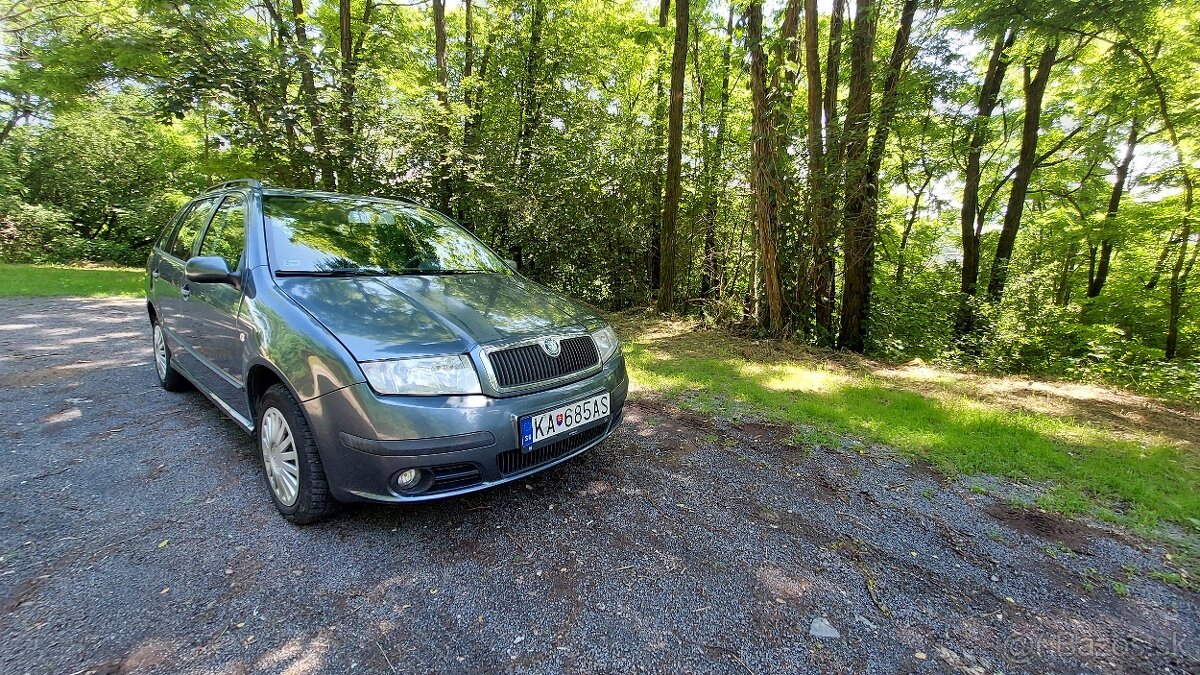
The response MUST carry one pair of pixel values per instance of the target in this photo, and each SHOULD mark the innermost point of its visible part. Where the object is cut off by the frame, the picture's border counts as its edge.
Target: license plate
(561, 420)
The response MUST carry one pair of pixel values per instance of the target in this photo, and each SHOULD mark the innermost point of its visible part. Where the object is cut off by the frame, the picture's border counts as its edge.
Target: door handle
(185, 292)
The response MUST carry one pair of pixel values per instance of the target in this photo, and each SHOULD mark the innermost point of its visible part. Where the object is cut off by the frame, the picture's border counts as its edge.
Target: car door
(212, 325)
(168, 277)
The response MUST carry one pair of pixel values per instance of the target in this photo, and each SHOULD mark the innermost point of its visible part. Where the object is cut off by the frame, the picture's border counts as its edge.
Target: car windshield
(348, 236)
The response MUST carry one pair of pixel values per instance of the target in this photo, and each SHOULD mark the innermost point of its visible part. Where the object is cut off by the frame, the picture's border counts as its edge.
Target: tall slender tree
(708, 277)
(443, 94)
(862, 232)
(764, 179)
(858, 245)
(1098, 267)
(660, 133)
(989, 96)
(1027, 161)
(670, 220)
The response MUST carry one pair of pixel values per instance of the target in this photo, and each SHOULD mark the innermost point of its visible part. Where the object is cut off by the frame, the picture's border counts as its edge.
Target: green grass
(1139, 483)
(51, 281)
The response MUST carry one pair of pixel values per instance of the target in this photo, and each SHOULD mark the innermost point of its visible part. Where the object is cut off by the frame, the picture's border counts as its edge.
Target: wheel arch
(260, 377)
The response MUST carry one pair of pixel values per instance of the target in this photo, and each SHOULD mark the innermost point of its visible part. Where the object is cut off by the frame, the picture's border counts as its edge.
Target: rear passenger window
(189, 229)
(227, 232)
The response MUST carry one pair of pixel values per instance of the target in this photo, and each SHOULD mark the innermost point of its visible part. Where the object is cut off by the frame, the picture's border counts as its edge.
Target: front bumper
(465, 443)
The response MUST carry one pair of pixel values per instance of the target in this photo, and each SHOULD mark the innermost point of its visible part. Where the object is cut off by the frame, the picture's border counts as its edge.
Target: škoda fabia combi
(376, 350)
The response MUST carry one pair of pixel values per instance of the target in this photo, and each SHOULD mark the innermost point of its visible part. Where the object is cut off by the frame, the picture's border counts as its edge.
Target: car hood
(395, 317)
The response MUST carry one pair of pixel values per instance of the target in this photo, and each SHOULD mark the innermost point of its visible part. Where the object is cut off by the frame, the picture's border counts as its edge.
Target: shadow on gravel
(137, 537)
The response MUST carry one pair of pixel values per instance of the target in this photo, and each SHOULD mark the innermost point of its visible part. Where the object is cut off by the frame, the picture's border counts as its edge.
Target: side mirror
(511, 263)
(208, 269)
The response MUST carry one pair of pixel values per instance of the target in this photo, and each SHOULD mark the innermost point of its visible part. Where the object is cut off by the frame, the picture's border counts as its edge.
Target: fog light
(408, 479)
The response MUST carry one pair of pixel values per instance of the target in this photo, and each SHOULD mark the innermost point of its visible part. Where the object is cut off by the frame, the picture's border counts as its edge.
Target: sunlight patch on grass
(790, 377)
(56, 281)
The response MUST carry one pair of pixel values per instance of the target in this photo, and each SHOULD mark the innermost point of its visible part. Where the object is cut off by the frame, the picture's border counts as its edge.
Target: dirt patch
(1073, 535)
(782, 584)
(677, 435)
(770, 434)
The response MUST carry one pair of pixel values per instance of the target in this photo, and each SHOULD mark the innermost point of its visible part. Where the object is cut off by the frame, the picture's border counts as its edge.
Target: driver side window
(226, 234)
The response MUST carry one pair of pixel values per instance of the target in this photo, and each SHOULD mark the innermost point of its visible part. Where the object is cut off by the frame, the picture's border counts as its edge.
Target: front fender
(293, 344)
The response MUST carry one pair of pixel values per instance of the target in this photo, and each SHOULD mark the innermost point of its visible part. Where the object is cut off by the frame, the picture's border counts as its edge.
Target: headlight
(437, 375)
(606, 342)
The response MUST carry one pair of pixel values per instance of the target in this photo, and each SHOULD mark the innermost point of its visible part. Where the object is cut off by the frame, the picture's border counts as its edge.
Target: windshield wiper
(335, 272)
(432, 272)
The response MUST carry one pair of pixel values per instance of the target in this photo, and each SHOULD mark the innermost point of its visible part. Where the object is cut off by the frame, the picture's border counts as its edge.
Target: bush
(28, 231)
(1050, 340)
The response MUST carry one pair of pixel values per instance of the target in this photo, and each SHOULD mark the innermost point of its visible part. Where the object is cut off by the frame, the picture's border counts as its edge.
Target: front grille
(528, 364)
(515, 460)
(454, 477)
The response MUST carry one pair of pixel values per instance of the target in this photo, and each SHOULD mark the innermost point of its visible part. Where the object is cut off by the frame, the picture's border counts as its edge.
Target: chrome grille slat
(529, 364)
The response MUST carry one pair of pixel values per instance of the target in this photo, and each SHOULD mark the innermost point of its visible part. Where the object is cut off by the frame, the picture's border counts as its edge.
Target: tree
(670, 221)
(864, 208)
(764, 178)
(989, 95)
(708, 278)
(858, 245)
(1035, 90)
(443, 93)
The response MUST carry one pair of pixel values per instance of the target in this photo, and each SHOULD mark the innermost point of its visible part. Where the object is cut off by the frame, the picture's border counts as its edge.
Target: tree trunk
(1062, 286)
(19, 112)
(989, 95)
(819, 200)
(792, 250)
(911, 220)
(1178, 274)
(824, 231)
(656, 200)
(1098, 274)
(860, 235)
(858, 245)
(530, 110)
(443, 94)
(670, 221)
(460, 173)
(471, 126)
(708, 280)
(1035, 89)
(350, 50)
(763, 179)
(308, 95)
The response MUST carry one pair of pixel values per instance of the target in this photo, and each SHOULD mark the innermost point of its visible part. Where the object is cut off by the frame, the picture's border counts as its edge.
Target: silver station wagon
(376, 350)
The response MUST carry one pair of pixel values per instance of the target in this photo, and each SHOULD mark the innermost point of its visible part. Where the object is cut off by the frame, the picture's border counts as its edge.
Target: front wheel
(291, 462)
(168, 377)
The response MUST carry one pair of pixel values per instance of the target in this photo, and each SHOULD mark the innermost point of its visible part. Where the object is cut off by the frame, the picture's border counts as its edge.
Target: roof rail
(248, 182)
(402, 198)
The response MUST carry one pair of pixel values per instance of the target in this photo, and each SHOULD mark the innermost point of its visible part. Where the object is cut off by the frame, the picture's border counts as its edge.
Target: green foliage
(551, 149)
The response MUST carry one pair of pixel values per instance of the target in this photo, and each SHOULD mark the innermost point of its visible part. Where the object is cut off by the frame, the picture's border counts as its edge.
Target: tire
(291, 464)
(168, 378)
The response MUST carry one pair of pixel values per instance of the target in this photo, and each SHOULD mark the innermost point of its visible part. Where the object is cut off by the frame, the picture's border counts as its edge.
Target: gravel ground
(136, 535)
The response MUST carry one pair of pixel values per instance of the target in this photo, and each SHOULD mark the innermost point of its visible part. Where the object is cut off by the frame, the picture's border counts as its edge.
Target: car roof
(231, 186)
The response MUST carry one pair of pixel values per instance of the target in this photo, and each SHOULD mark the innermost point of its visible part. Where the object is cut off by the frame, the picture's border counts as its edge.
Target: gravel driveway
(136, 535)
